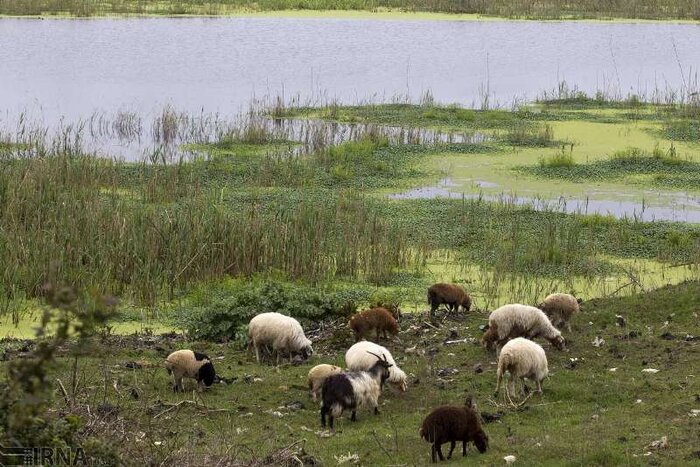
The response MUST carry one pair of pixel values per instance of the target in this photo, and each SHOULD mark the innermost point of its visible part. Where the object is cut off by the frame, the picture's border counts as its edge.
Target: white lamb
(560, 307)
(361, 357)
(516, 320)
(283, 333)
(318, 374)
(522, 358)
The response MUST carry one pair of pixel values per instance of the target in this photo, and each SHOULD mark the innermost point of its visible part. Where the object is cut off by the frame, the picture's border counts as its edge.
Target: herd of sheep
(370, 366)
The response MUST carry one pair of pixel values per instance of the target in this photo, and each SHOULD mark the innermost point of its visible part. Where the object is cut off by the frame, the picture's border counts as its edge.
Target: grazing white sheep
(361, 357)
(189, 364)
(522, 358)
(283, 333)
(516, 320)
(560, 307)
(318, 374)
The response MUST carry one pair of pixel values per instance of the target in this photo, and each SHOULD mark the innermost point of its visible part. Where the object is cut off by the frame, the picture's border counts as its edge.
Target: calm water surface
(70, 68)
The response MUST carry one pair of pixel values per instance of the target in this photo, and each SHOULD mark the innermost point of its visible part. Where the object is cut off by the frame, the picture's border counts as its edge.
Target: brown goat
(453, 296)
(378, 318)
(450, 423)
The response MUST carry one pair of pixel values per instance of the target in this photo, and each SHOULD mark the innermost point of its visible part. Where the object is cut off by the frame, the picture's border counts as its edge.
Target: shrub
(224, 313)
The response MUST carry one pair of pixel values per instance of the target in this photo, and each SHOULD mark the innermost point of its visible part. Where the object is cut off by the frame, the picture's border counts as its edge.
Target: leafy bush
(224, 313)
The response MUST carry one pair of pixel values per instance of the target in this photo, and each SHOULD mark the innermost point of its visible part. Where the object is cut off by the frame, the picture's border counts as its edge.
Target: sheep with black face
(190, 364)
(351, 390)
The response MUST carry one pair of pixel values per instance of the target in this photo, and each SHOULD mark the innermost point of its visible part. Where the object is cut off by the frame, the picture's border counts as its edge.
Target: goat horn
(372, 353)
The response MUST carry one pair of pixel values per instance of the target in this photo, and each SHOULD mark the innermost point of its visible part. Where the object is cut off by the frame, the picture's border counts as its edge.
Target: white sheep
(360, 357)
(560, 307)
(522, 358)
(189, 364)
(516, 320)
(283, 333)
(318, 374)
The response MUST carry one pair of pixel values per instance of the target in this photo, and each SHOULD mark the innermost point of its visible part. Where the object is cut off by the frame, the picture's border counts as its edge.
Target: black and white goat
(350, 390)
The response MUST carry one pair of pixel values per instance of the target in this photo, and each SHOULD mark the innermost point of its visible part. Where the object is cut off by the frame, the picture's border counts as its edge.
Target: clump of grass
(561, 159)
(660, 167)
(683, 130)
(523, 134)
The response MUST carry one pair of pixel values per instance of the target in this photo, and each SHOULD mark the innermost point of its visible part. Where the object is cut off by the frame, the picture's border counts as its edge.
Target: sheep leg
(568, 327)
(439, 451)
(499, 375)
(452, 448)
(539, 386)
(432, 453)
(324, 411)
(353, 416)
(464, 448)
(511, 386)
(257, 352)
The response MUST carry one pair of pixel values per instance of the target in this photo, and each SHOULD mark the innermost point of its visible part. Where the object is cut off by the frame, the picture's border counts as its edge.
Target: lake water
(61, 71)
(71, 68)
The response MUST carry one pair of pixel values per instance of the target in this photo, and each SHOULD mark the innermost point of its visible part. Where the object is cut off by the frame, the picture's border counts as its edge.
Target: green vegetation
(552, 9)
(659, 168)
(255, 415)
(260, 219)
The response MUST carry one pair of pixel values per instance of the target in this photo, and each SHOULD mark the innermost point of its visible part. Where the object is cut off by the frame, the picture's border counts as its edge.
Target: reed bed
(69, 217)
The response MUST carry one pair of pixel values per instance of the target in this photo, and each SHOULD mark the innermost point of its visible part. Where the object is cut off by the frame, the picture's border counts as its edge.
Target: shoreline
(382, 15)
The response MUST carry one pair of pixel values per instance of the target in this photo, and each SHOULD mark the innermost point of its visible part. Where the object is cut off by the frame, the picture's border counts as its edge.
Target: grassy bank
(123, 395)
(551, 9)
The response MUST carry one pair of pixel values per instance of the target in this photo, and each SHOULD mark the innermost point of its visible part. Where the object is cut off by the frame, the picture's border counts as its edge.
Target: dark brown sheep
(450, 423)
(378, 319)
(453, 296)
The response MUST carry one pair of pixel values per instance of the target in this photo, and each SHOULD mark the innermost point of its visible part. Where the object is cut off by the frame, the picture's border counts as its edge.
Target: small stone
(478, 369)
(668, 336)
(447, 371)
(294, 405)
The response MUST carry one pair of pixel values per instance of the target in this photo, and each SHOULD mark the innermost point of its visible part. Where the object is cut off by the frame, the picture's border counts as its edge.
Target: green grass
(658, 168)
(257, 222)
(552, 9)
(246, 419)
